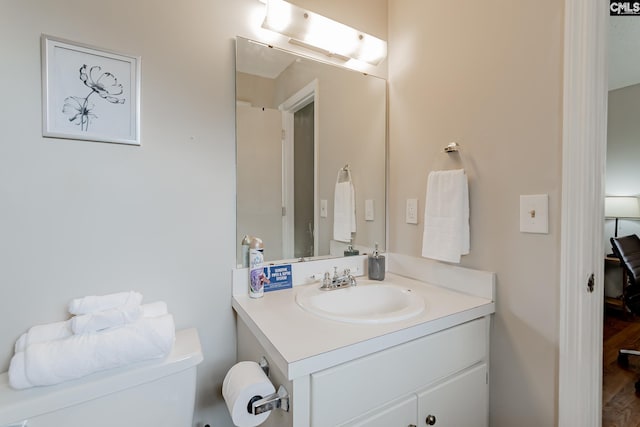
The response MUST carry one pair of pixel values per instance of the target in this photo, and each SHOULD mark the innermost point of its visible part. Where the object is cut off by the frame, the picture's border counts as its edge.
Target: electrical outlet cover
(411, 212)
(534, 213)
(368, 210)
(323, 208)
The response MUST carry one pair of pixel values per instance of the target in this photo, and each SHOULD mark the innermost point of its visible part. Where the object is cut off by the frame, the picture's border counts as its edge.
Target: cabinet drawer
(343, 392)
(462, 401)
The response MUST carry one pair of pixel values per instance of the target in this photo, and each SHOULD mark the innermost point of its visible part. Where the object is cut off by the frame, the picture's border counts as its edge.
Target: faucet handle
(347, 272)
(326, 281)
(335, 272)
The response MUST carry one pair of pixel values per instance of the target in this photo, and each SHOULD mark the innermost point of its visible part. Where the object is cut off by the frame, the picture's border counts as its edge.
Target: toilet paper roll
(243, 382)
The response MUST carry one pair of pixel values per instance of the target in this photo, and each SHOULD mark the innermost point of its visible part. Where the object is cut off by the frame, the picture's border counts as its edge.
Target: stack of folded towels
(105, 332)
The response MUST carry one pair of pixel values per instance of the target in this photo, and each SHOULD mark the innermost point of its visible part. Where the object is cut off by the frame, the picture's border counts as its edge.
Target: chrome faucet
(337, 282)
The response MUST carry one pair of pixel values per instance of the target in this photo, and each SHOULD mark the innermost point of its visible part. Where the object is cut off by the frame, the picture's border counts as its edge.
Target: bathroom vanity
(430, 368)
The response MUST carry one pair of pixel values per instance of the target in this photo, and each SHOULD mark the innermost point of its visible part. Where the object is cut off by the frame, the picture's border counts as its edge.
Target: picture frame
(89, 93)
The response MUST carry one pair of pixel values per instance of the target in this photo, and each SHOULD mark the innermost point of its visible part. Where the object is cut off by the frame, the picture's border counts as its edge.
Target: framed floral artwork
(89, 93)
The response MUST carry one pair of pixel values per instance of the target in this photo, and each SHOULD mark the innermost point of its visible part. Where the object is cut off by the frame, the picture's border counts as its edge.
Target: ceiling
(624, 51)
(261, 60)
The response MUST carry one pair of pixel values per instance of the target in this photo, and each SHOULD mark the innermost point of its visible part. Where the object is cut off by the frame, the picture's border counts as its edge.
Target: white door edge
(583, 166)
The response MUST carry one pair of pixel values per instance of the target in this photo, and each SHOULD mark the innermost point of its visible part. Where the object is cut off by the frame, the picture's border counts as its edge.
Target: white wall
(489, 76)
(80, 218)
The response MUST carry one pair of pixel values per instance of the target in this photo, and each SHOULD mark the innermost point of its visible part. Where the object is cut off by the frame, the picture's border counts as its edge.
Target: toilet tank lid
(18, 405)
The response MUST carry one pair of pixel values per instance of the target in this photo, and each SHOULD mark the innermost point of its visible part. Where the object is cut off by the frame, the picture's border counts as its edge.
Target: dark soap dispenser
(376, 265)
(350, 251)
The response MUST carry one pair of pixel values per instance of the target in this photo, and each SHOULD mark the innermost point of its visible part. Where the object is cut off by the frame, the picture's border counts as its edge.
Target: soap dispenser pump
(376, 265)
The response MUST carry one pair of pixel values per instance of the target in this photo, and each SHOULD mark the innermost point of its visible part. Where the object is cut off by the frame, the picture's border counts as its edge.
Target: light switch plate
(411, 212)
(368, 210)
(323, 208)
(534, 213)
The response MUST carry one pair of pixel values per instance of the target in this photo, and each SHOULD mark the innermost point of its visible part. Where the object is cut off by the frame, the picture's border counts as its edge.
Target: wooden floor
(620, 404)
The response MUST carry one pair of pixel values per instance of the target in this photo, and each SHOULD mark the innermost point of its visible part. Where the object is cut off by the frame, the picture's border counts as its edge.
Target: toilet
(159, 393)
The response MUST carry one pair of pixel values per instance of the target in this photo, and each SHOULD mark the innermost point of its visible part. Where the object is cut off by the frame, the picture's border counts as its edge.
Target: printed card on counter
(278, 277)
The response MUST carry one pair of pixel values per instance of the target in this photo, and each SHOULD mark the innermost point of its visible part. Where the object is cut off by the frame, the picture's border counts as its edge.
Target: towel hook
(344, 174)
(452, 147)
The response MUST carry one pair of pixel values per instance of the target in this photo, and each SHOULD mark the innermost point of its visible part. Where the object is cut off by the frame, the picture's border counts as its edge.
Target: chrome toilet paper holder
(277, 400)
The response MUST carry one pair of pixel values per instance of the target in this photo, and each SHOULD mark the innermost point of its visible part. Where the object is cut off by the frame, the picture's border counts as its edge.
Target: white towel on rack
(446, 216)
(344, 210)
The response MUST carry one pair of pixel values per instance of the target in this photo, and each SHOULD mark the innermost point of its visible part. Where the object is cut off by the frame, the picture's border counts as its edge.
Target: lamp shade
(621, 207)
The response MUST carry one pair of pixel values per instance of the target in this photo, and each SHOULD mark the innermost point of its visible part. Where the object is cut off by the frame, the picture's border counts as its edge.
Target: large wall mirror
(305, 128)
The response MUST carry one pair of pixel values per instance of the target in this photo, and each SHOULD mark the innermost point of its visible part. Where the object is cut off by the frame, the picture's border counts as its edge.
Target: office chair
(627, 249)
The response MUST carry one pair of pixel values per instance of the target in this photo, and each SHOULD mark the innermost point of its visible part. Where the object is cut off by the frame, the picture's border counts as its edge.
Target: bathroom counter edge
(290, 335)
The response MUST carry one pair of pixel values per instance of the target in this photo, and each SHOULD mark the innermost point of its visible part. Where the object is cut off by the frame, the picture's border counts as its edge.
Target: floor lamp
(621, 208)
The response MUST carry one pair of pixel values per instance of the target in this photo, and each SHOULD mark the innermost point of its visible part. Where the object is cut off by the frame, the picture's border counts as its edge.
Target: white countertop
(301, 343)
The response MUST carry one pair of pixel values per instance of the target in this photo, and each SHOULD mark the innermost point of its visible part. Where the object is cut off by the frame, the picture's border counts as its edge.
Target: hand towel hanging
(446, 216)
(344, 207)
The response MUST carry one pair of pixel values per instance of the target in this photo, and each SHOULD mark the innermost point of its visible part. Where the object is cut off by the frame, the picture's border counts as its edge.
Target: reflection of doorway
(299, 183)
(303, 179)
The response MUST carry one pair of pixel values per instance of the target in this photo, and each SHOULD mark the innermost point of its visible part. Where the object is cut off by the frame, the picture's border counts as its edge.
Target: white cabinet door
(369, 383)
(461, 401)
(401, 413)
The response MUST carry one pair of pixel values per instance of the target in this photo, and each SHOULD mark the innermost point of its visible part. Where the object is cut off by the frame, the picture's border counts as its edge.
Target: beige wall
(256, 90)
(489, 76)
(259, 194)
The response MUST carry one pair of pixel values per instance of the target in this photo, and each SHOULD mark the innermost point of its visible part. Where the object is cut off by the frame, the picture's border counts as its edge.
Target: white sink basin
(370, 302)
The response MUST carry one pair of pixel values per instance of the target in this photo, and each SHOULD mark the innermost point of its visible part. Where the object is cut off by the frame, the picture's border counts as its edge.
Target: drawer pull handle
(431, 420)
(411, 425)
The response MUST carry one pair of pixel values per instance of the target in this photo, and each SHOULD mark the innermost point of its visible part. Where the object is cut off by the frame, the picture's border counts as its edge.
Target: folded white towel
(115, 317)
(154, 309)
(17, 372)
(92, 304)
(100, 320)
(41, 333)
(446, 216)
(60, 330)
(53, 362)
(344, 211)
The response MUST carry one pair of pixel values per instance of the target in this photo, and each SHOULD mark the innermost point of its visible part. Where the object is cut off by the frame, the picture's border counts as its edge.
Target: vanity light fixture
(322, 34)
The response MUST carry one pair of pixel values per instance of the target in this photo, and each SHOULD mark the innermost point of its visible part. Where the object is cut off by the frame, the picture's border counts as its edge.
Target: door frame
(581, 253)
(289, 107)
